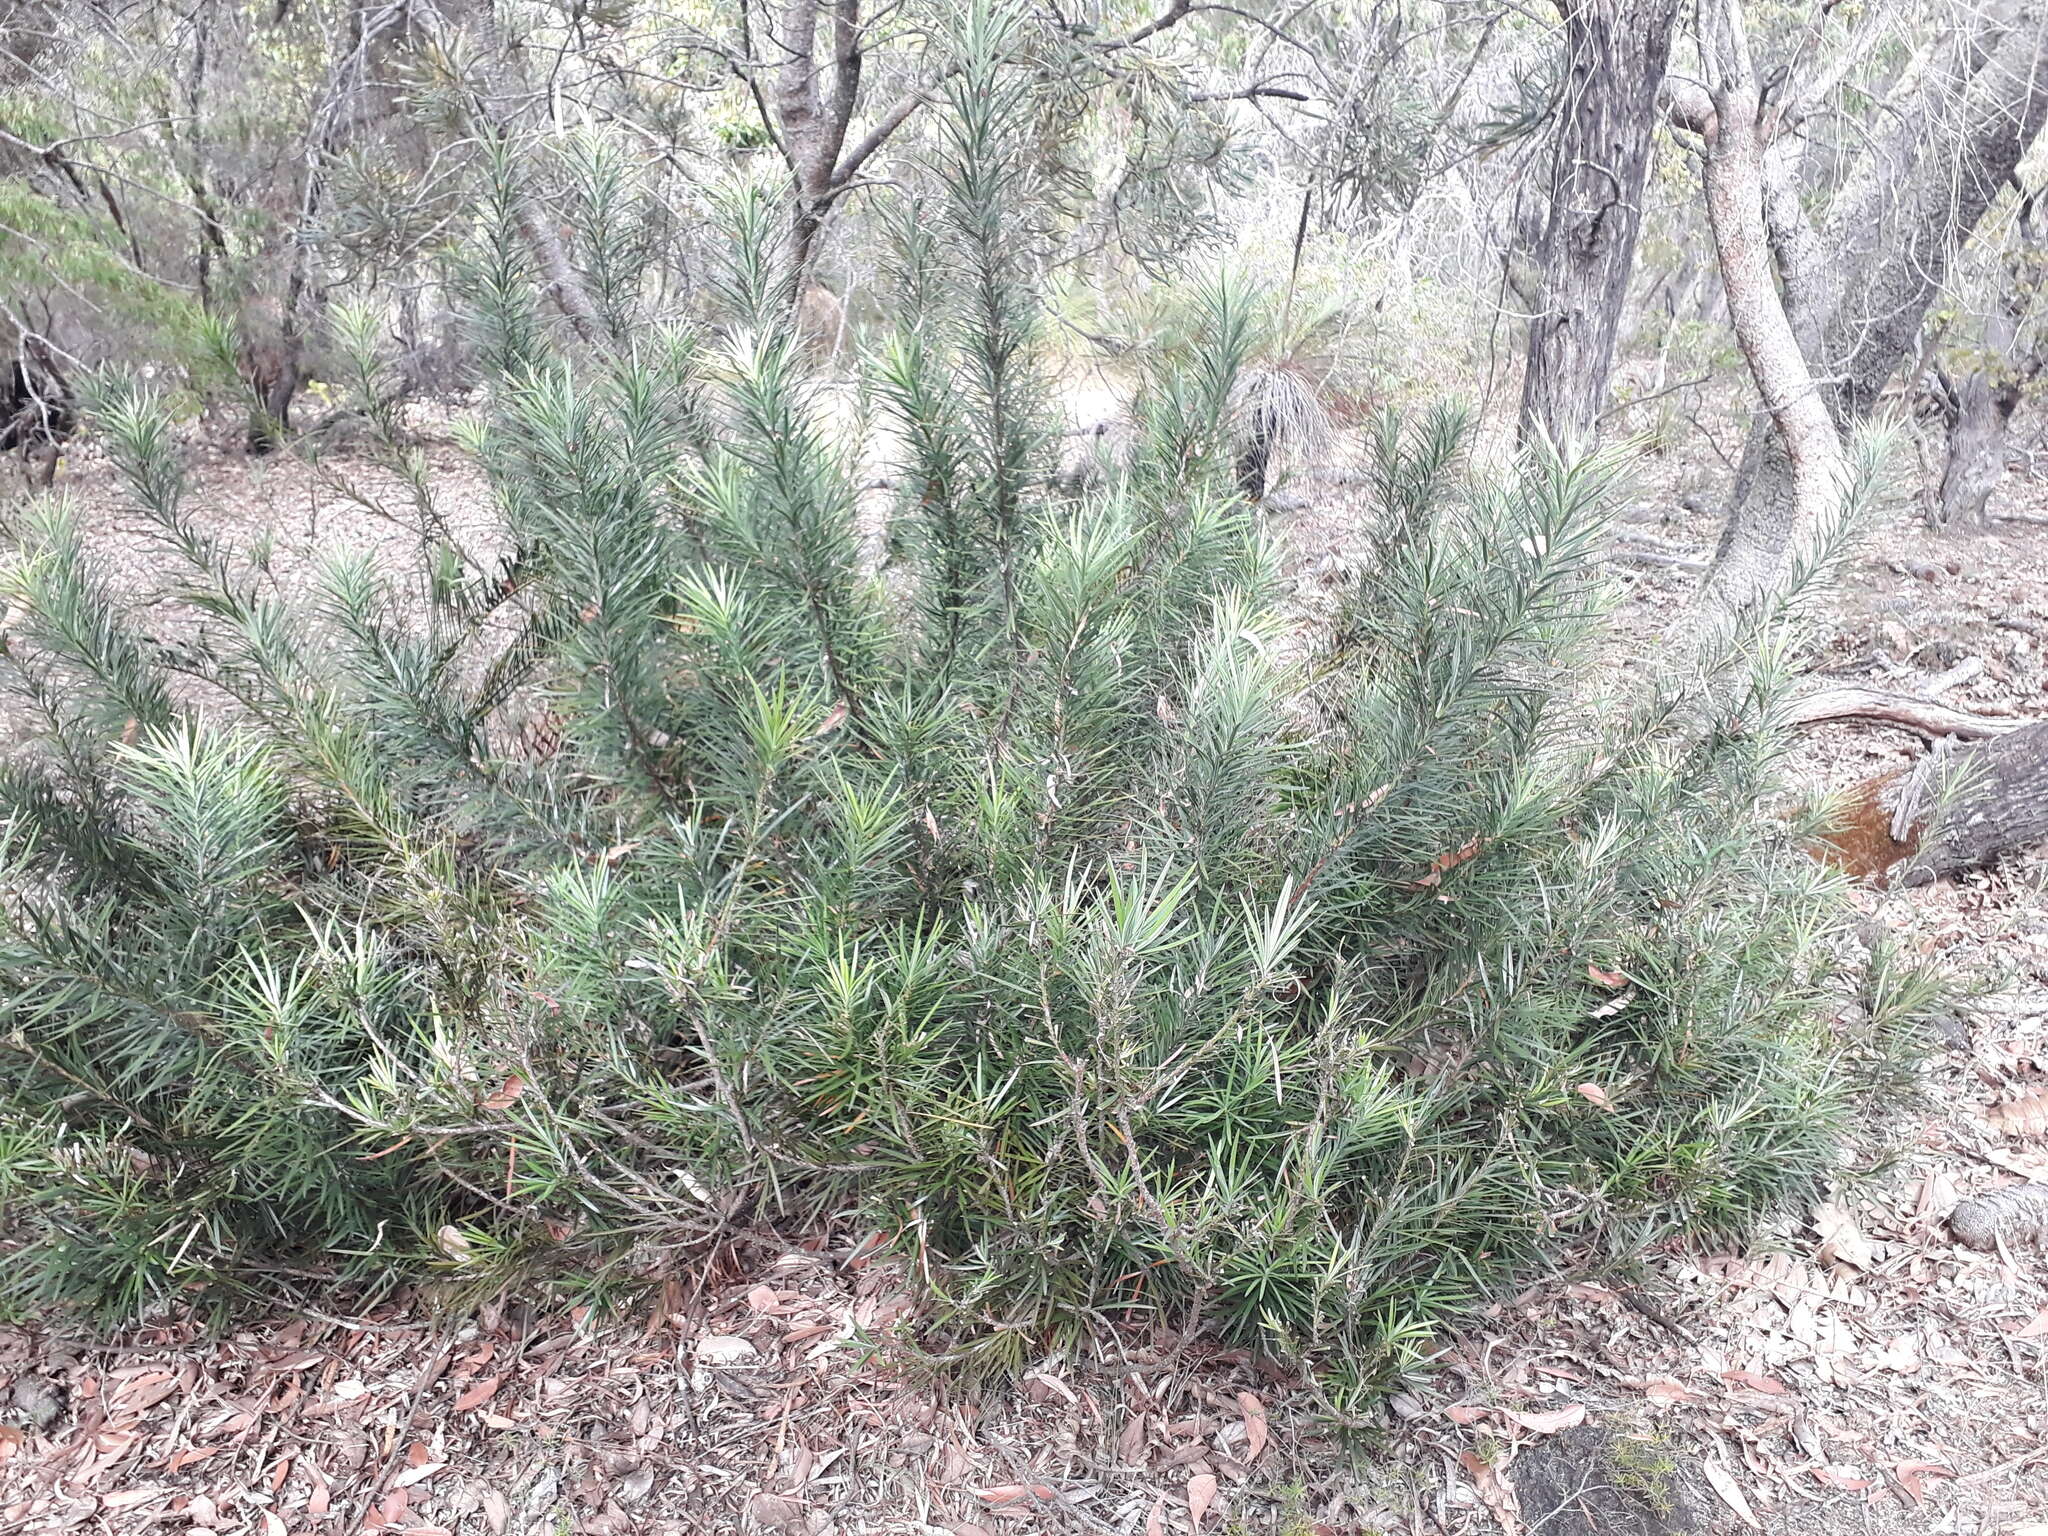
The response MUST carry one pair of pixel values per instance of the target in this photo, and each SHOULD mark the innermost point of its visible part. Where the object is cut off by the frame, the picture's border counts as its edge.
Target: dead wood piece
(2017, 1216)
(1923, 715)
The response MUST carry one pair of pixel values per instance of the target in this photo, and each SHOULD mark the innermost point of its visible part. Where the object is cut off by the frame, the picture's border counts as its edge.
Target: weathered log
(1966, 809)
(1923, 715)
(1998, 804)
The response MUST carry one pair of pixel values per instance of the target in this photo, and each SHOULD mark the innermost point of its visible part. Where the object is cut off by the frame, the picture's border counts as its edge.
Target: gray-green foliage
(1044, 910)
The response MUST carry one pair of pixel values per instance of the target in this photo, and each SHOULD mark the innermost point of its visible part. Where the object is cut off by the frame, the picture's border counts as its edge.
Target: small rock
(2017, 1216)
(1949, 1031)
(39, 1403)
(724, 1349)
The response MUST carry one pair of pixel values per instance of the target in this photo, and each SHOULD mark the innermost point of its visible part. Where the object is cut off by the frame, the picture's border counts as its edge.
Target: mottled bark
(1727, 117)
(1617, 50)
(1999, 805)
(1981, 403)
(1979, 102)
(1981, 414)
(495, 105)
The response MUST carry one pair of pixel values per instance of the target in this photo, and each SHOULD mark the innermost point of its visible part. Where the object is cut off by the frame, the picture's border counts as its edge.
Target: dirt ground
(1854, 1370)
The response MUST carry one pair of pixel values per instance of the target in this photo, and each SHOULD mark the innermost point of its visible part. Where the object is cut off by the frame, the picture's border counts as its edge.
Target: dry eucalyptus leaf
(1255, 1432)
(1840, 1237)
(1724, 1484)
(2021, 1117)
(1567, 1417)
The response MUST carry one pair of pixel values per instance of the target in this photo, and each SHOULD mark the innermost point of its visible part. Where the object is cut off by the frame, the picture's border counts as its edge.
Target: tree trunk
(501, 83)
(1806, 443)
(1981, 407)
(1890, 240)
(2000, 806)
(1617, 51)
(1984, 404)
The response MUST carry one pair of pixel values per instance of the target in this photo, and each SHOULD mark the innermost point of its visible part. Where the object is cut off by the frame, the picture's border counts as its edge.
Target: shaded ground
(1854, 1371)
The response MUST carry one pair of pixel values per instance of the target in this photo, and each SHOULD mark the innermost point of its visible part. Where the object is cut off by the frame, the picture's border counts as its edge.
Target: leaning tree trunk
(1888, 246)
(1617, 50)
(2000, 806)
(1728, 118)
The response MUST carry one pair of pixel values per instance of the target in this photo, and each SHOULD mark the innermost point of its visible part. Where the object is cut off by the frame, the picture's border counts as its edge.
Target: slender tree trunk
(1805, 440)
(492, 106)
(1617, 51)
(1905, 827)
(1863, 286)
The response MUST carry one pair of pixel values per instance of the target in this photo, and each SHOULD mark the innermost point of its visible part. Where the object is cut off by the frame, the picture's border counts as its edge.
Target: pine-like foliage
(1036, 905)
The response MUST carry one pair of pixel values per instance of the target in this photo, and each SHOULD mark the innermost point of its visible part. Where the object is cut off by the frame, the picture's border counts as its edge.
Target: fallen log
(1930, 719)
(1962, 808)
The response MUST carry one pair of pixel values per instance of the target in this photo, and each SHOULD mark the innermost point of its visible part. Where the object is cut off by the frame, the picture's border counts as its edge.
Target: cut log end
(1996, 805)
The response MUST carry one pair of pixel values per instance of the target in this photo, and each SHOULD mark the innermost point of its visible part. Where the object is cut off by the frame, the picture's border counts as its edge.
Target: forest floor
(1852, 1371)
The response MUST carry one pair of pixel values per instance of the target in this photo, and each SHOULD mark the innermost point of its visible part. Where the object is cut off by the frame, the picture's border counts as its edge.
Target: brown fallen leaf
(1756, 1382)
(1840, 1238)
(1131, 1442)
(1497, 1496)
(479, 1394)
(497, 1510)
(1913, 1475)
(508, 1095)
(2021, 1117)
(1594, 1094)
(1549, 1423)
(774, 1511)
(834, 718)
(1664, 1390)
(1844, 1478)
(1255, 1432)
(1201, 1494)
(1466, 1413)
(1155, 1523)
(2037, 1329)
(1017, 1493)
(1444, 863)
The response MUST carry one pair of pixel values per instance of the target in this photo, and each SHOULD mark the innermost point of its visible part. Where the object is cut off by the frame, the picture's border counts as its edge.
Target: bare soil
(1854, 1370)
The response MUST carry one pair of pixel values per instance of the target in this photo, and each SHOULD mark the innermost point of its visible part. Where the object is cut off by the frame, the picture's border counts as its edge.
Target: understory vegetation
(661, 863)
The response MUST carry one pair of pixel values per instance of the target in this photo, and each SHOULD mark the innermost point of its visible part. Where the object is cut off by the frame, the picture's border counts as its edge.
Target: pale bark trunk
(1617, 50)
(1982, 404)
(1807, 444)
(491, 105)
(1863, 286)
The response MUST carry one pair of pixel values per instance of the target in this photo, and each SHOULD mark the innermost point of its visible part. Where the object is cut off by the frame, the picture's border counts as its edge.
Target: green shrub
(1044, 908)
